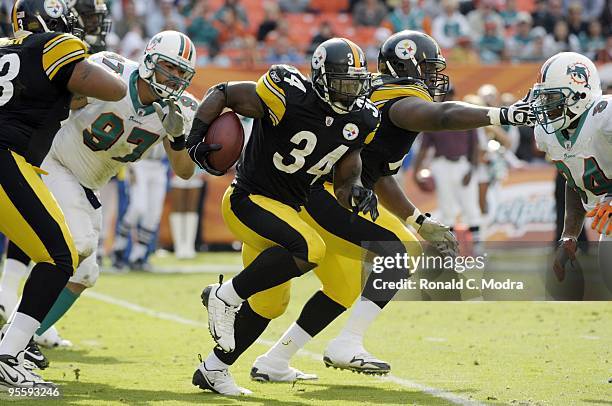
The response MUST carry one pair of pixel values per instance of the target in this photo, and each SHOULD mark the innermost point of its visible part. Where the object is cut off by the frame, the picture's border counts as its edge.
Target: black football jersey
(34, 72)
(300, 139)
(384, 155)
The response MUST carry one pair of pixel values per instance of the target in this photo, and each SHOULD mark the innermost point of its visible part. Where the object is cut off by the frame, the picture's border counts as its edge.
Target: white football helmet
(175, 48)
(569, 83)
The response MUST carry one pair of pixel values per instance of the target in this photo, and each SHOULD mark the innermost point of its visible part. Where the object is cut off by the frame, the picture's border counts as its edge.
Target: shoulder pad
(279, 84)
(382, 80)
(60, 50)
(383, 94)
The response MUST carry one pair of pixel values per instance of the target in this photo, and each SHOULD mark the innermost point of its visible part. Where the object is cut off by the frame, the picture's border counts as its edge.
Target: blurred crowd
(248, 32)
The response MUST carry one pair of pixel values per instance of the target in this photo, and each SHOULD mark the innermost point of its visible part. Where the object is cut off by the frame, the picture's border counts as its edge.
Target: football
(227, 131)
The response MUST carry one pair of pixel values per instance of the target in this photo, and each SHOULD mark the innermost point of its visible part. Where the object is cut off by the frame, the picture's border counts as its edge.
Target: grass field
(137, 335)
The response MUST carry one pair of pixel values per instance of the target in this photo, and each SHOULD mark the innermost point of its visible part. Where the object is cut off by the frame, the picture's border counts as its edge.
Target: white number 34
(323, 167)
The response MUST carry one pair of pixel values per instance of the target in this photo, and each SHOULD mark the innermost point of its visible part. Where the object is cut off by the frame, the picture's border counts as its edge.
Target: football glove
(566, 252)
(602, 216)
(518, 113)
(438, 235)
(173, 122)
(198, 154)
(364, 201)
(198, 150)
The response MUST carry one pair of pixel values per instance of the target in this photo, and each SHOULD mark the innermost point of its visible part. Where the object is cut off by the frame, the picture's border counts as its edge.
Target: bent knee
(86, 245)
(87, 272)
(344, 297)
(271, 303)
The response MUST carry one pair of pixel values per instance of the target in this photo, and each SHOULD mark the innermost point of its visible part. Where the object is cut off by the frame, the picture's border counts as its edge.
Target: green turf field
(137, 335)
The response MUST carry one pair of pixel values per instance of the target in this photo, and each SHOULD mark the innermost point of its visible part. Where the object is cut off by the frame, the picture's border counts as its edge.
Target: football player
(99, 138)
(42, 66)
(92, 17)
(91, 21)
(411, 65)
(574, 128)
(303, 129)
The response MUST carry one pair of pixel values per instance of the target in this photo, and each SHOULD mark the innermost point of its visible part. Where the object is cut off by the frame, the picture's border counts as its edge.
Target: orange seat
(329, 6)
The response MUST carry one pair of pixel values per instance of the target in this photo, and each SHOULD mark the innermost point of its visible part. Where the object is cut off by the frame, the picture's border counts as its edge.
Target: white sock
(214, 363)
(228, 294)
(19, 333)
(176, 223)
(191, 230)
(13, 274)
(138, 251)
(294, 339)
(363, 314)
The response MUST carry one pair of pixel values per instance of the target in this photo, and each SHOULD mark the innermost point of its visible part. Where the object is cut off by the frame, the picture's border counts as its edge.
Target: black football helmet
(340, 75)
(92, 17)
(414, 54)
(42, 16)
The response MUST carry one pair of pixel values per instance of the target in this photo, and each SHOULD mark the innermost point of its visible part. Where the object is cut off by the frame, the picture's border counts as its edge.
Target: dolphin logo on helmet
(579, 73)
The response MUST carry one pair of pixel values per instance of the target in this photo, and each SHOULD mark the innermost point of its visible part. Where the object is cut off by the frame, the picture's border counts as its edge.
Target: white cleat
(221, 317)
(14, 375)
(51, 339)
(346, 354)
(268, 369)
(218, 381)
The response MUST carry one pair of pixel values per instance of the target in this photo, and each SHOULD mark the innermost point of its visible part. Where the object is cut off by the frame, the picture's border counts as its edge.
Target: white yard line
(435, 392)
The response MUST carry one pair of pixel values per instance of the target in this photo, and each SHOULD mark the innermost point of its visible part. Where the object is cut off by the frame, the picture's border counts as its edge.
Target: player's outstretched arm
(91, 80)
(349, 190)
(416, 114)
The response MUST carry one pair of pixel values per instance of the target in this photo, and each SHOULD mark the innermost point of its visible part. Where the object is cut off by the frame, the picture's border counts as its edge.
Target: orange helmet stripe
(187, 48)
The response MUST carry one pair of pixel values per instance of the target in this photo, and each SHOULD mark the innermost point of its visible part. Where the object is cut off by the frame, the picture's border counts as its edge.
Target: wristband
(178, 143)
(416, 219)
(495, 116)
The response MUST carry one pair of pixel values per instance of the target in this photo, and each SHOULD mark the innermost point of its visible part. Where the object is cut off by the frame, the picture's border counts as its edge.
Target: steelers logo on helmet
(318, 58)
(350, 131)
(54, 8)
(405, 49)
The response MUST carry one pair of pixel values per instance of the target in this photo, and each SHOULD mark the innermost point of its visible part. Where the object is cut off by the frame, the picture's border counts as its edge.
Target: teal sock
(64, 302)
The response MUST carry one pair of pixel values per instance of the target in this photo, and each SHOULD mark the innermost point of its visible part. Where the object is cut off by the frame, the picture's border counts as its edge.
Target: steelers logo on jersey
(54, 8)
(350, 131)
(405, 49)
(318, 58)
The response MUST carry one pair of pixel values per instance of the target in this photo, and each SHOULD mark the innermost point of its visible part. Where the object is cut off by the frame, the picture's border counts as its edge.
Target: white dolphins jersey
(98, 139)
(585, 158)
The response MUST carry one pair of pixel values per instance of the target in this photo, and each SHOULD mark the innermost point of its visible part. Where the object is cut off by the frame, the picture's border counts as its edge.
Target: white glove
(173, 121)
(518, 113)
(438, 235)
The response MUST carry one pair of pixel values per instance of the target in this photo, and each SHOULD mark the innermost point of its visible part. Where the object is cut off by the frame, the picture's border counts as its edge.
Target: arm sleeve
(60, 55)
(272, 94)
